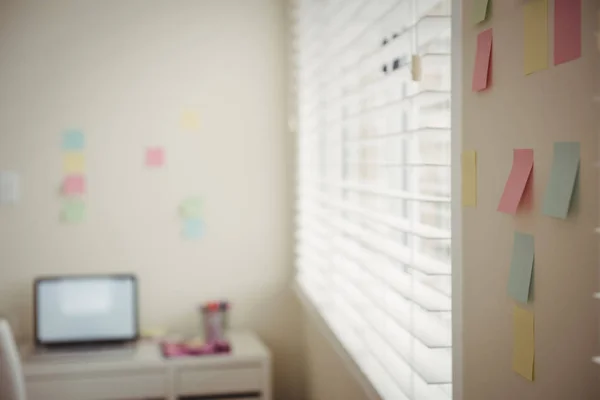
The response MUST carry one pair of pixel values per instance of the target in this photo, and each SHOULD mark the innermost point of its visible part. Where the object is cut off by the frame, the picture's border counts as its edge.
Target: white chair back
(12, 382)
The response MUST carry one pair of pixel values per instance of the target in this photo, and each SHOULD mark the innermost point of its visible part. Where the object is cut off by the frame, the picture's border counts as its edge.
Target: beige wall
(530, 112)
(124, 71)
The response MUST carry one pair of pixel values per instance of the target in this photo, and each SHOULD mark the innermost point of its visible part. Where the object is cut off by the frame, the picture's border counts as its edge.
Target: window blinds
(373, 187)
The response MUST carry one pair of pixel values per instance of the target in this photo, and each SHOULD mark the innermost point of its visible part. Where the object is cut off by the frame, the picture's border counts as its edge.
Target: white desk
(145, 374)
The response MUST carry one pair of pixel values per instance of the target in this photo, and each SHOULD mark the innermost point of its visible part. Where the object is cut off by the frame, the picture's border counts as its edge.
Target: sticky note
(598, 30)
(74, 163)
(192, 228)
(190, 120)
(523, 342)
(73, 140)
(563, 175)
(480, 10)
(567, 30)
(517, 180)
(536, 35)
(73, 211)
(74, 185)
(469, 178)
(155, 156)
(191, 208)
(481, 73)
(9, 187)
(521, 267)
(416, 68)
(153, 333)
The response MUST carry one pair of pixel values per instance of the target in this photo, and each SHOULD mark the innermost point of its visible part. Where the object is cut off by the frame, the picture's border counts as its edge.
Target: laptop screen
(85, 309)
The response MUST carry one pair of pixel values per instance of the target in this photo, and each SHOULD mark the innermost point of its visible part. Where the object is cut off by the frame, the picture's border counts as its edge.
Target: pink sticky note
(517, 180)
(74, 184)
(155, 157)
(567, 30)
(481, 74)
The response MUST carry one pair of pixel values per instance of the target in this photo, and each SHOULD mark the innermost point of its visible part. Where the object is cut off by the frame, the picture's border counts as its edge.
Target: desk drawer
(98, 387)
(215, 381)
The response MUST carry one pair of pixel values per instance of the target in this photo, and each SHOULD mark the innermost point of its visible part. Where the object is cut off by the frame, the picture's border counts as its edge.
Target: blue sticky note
(193, 228)
(73, 140)
(563, 176)
(521, 267)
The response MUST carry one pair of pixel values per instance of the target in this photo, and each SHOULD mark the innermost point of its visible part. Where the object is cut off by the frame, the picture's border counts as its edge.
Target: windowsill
(339, 349)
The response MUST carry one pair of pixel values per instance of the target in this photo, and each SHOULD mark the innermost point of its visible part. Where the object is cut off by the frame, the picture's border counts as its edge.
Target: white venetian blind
(373, 222)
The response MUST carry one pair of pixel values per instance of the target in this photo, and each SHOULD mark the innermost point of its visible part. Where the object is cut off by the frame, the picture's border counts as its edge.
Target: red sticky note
(567, 30)
(482, 61)
(74, 184)
(155, 157)
(517, 181)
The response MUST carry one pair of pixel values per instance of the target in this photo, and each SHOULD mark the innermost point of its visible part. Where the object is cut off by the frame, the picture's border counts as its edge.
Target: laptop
(86, 315)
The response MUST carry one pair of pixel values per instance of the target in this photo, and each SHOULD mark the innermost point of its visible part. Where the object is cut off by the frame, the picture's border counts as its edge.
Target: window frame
(456, 229)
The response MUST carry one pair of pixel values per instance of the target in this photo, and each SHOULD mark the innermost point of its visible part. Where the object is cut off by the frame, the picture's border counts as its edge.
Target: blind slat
(370, 189)
(400, 224)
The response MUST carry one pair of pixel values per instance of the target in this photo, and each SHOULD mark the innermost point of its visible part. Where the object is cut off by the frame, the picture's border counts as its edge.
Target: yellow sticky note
(536, 35)
(154, 333)
(416, 68)
(190, 121)
(74, 163)
(598, 32)
(524, 343)
(469, 178)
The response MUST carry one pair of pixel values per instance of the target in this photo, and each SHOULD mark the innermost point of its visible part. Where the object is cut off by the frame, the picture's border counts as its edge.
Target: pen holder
(214, 321)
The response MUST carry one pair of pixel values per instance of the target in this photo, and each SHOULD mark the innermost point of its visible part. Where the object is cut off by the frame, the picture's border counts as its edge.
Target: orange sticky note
(481, 74)
(74, 185)
(517, 181)
(567, 30)
(155, 156)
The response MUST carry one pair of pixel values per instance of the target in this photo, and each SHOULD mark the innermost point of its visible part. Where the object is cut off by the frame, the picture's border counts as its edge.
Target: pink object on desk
(179, 349)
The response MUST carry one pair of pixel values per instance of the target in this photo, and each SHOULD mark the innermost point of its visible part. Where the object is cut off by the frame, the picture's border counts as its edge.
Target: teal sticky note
(521, 267)
(193, 228)
(73, 140)
(563, 175)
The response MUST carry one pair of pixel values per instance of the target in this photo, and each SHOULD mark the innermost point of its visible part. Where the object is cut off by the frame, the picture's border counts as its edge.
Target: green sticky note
(191, 208)
(521, 267)
(480, 10)
(73, 211)
(563, 175)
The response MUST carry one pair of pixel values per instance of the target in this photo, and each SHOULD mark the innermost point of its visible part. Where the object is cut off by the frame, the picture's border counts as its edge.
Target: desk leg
(171, 386)
(267, 386)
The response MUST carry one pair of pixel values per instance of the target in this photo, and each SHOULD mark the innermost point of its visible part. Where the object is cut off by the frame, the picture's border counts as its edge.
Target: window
(373, 224)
